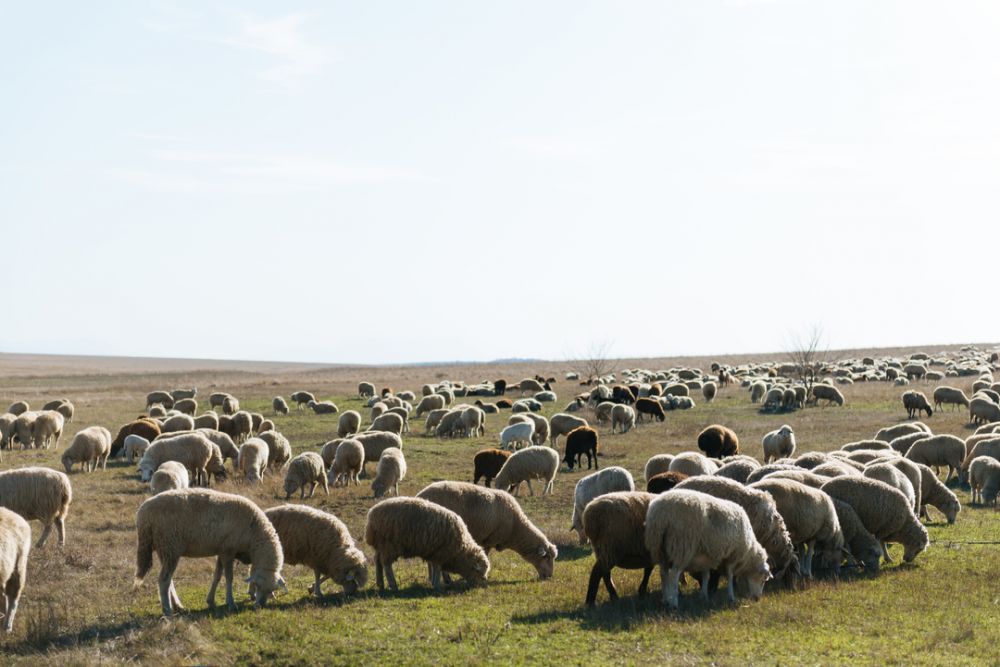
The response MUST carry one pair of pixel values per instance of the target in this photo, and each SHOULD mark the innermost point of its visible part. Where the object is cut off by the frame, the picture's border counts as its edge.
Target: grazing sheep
(6, 430)
(521, 432)
(602, 411)
(527, 464)
(389, 422)
(664, 481)
(939, 450)
(495, 521)
(526, 405)
(390, 471)
(774, 398)
(562, 423)
(173, 524)
(323, 407)
(279, 406)
(622, 417)
(18, 408)
(135, 447)
(658, 463)
(769, 469)
(48, 428)
(230, 406)
(709, 390)
(239, 426)
(177, 423)
(811, 460)
(39, 494)
(488, 408)
(615, 524)
(417, 528)
(207, 420)
(451, 424)
(15, 546)
(737, 468)
(252, 461)
(692, 531)
(884, 511)
(319, 540)
(301, 398)
(474, 422)
(693, 463)
(349, 423)
(24, 430)
(347, 462)
(187, 406)
(949, 396)
(890, 433)
(487, 464)
(778, 444)
(546, 396)
(886, 472)
(216, 399)
(162, 397)
(933, 492)
(861, 544)
(803, 476)
(757, 391)
(985, 445)
(279, 451)
(366, 390)
(914, 402)
(718, 442)
(984, 476)
(434, 418)
(902, 444)
(305, 469)
(983, 410)
(827, 393)
(597, 484)
(91, 447)
(198, 454)
(145, 427)
(581, 441)
(170, 475)
(651, 407)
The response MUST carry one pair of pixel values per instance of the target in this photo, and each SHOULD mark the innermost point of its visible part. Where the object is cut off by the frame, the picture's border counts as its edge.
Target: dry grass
(80, 607)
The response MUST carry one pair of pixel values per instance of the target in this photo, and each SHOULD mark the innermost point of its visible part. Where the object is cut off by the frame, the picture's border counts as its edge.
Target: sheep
(939, 450)
(810, 460)
(323, 407)
(527, 464)
(769, 469)
(774, 398)
(15, 546)
(487, 463)
(914, 402)
(615, 524)
(838, 468)
(778, 444)
(487, 408)
(48, 429)
(526, 405)
(912, 473)
(540, 422)
(689, 530)
(40, 494)
(279, 451)
(623, 418)
(983, 410)
(390, 471)
(811, 520)
(933, 492)
(194, 450)
(664, 481)
(495, 521)
(651, 407)
(884, 511)
(765, 519)
(593, 485)
(718, 441)
(187, 406)
(162, 397)
(230, 405)
(451, 423)
(18, 408)
(562, 423)
(347, 462)
(862, 545)
(145, 427)
(529, 385)
(546, 397)
(434, 418)
(388, 422)
(945, 395)
(576, 405)
(803, 476)
(91, 447)
(6, 430)
(305, 469)
(207, 420)
(709, 390)
(252, 461)
(349, 423)
(886, 472)
(580, 441)
(301, 398)
(473, 422)
(135, 447)
(656, 464)
(757, 391)
(693, 463)
(366, 390)
(979, 445)
(265, 425)
(177, 423)
(521, 432)
(170, 475)
(984, 476)
(24, 430)
(902, 444)
(737, 468)
(602, 411)
(172, 524)
(319, 540)
(414, 527)
(890, 433)
(279, 406)
(216, 399)
(827, 393)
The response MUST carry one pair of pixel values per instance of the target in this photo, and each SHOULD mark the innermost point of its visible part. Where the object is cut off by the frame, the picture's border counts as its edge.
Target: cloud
(282, 39)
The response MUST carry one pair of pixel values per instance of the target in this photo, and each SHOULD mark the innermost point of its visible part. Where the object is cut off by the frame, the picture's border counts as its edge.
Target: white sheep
(39, 494)
(390, 471)
(597, 484)
(135, 447)
(198, 454)
(279, 450)
(622, 418)
(170, 475)
(693, 463)
(656, 464)
(527, 464)
(778, 444)
(15, 545)
(306, 469)
(521, 432)
(252, 460)
(91, 447)
(984, 476)
(349, 423)
(48, 428)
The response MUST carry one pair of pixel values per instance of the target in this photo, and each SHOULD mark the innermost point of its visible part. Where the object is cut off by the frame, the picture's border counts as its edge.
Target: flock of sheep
(712, 513)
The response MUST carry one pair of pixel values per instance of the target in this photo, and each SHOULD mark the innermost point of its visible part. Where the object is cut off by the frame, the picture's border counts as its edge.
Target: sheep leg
(596, 575)
(174, 599)
(705, 576)
(729, 584)
(391, 576)
(531, 491)
(315, 588)
(808, 549)
(378, 573)
(326, 487)
(230, 603)
(671, 586)
(45, 535)
(436, 578)
(166, 583)
(215, 582)
(885, 553)
(644, 584)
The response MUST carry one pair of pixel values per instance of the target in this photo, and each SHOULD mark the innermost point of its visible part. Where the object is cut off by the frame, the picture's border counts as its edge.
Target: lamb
(615, 524)
(984, 476)
(811, 520)
(162, 397)
(177, 423)
(39, 494)
(301, 398)
(305, 469)
(580, 441)
(323, 407)
(939, 450)
(688, 530)
(495, 521)
(252, 461)
(91, 447)
(562, 423)
(738, 468)
(527, 464)
(170, 475)
(521, 432)
(890, 433)
(187, 406)
(983, 410)
(135, 447)
(718, 441)
(886, 472)
(15, 545)
(279, 406)
(414, 527)
(885, 512)
(194, 450)
(487, 463)
(388, 422)
(767, 523)
(914, 402)
(279, 451)
(622, 417)
(145, 427)
(597, 484)
(778, 444)
(944, 395)
(390, 471)
(347, 462)
(173, 524)
(319, 540)
(933, 492)
(49, 427)
(693, 463)
(658, 463)
(827, 393)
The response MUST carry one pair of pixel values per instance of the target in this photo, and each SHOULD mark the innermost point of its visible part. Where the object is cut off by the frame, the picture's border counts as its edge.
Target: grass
(80, 606)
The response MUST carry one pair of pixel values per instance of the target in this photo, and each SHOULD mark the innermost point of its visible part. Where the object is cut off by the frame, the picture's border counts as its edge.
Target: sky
(387, 182)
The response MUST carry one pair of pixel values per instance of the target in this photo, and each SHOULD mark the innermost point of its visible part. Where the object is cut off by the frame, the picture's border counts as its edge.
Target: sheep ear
(541, 551)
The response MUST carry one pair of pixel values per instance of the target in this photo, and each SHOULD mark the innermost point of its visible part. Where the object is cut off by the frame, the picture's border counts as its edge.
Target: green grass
(80, 606)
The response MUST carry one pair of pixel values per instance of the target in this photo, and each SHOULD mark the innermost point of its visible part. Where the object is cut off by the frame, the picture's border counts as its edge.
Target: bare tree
(596, 362)
(809, 354)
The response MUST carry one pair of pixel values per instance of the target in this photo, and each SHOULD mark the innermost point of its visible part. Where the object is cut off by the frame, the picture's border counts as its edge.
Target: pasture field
(80, 606)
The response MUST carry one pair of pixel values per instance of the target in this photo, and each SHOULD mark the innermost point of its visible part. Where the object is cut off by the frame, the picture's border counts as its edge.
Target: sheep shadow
(623, 614)
(571, 552)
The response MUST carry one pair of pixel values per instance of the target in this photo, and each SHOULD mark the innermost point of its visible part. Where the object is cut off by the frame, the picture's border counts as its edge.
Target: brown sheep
(649, 406)
(143, 426)
(664, 481)
(487, 463)
(718, 442)
(914, 402)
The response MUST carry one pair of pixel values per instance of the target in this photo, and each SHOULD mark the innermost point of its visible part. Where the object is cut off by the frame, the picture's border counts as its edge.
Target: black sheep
(649, 406)
(581, 440)
(500, 387)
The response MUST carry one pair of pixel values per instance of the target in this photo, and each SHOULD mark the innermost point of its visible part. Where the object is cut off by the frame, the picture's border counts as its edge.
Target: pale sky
(385, 182)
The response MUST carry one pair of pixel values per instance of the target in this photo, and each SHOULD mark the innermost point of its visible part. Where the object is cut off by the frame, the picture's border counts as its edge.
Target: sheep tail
(143, 555)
